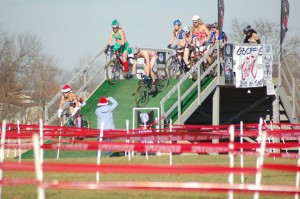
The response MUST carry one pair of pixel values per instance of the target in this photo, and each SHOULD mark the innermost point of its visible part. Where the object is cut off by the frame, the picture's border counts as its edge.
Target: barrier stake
(273, 139)
(41, 142)
(171, 129)
(284, 143)
(298, 174)
(259, 137)
(132, 152)
(147, 157)
(7, 150)
(127, 141)
(242, 150)
(231, 159)
(15, 149)
(59, 140)
(260, 162)
(157, 130)
(99, 152)
(3, 134)
(19, 142)
(38, 165)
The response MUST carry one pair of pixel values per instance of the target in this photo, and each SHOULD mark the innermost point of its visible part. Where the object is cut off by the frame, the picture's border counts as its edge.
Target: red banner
(220, 14)
(285, 11)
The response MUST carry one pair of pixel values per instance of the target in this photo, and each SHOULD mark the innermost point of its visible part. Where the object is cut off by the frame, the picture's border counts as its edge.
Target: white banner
(270, 87)
(267, 61)
(248, 66)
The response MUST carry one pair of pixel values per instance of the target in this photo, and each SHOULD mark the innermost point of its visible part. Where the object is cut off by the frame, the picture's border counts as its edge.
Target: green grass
(124, 91)
(188, 100)
(269, 178)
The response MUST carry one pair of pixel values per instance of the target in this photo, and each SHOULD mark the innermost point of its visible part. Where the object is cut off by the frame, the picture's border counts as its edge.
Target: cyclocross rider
(190, 44)
(180, 34)
(177, 32)
(121, 44)
(150, 58)
(71, 100)
(202, 33)
(187, 42)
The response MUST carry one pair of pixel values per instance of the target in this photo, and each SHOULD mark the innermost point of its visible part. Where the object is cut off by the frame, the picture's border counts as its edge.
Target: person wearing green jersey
(121, 44)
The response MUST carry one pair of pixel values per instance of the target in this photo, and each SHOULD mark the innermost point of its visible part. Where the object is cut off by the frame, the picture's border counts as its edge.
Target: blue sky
(71, 30)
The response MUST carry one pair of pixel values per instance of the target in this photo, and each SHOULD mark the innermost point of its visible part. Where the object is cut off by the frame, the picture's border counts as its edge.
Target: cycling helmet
(115, 24)
(177, 22)
(135, 50)
(247, 29)
(186, 29)
(66, 88)
(195, 18)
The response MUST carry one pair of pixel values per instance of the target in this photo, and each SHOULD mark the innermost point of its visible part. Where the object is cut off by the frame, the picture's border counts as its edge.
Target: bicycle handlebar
(177, 48)
(142, 74)
(116, 52)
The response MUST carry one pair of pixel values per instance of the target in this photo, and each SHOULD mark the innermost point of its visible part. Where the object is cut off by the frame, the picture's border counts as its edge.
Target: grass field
(268, 178)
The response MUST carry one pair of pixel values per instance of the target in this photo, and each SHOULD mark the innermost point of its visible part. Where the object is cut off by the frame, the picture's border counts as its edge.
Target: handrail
(181, 96)
(293, 89)
(83, 70)
(96, 76)
(287, 76)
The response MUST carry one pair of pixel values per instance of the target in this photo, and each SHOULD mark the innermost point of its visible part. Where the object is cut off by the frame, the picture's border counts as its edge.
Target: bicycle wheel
(141, 96)
(114, 71)
(195, 75)
(70, 122)
(85, 121)
(172, 66)
(162, 79)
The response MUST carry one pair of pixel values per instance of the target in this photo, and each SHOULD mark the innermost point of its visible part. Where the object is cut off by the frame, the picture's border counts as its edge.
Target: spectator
(150, 58)
(121, 44)
(104, 113)
(251, 35)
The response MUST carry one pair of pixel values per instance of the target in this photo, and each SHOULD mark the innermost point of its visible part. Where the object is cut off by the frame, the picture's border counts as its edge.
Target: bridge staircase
(205, 101)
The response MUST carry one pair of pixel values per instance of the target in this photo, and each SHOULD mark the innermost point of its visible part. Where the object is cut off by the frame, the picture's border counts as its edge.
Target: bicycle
(114, 68)
(175, 66)
(143, 89)
(205, 65)
(72, 122)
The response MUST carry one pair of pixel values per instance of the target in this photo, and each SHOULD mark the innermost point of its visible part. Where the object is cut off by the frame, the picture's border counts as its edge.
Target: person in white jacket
(104, 113)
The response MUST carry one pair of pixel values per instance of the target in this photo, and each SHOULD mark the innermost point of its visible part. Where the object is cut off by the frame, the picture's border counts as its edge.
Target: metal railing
(286, 82)
(289, 84)
(177, 88)
(81, 80)
(85, 85)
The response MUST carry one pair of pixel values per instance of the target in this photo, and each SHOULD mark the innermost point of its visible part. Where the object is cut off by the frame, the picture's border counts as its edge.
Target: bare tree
(268, 32)
(16, 54)
(41, 78)
(40, 82)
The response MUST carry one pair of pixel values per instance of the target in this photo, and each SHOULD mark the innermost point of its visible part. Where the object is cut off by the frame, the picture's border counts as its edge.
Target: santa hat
(102, 101)
(66, 88)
